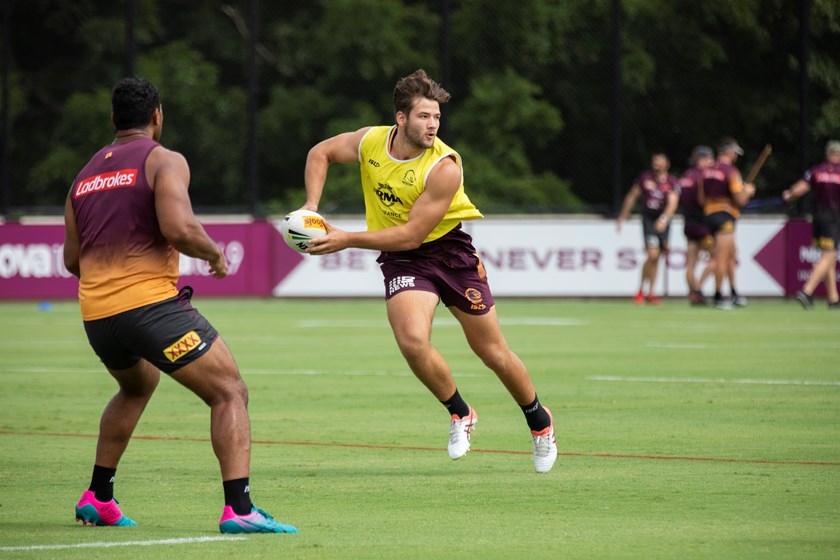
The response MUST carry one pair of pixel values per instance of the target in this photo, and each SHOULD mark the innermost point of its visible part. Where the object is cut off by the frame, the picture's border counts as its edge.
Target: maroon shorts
(696, 231)
(448, 266)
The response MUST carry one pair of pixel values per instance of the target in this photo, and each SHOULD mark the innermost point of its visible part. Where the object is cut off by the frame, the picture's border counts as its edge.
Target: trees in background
(530, 80)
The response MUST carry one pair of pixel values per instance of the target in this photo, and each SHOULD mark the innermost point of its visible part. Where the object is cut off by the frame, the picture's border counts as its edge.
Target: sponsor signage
(524, 257)
(549, 257)
(32, 262)
(106, 181)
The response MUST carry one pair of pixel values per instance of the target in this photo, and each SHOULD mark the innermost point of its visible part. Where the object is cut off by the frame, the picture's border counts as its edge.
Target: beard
(418, 138)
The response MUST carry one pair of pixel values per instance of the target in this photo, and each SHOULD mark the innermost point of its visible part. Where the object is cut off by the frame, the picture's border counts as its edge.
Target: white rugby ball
(300, 226)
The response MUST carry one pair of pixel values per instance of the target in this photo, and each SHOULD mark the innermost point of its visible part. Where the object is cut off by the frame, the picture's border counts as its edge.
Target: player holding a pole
(722, 193)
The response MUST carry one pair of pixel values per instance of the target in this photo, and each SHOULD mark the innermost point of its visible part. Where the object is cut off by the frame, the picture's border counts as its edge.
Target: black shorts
(449, 267)
(170, 334)
(826, 230)
(653, 238)
(720, 222)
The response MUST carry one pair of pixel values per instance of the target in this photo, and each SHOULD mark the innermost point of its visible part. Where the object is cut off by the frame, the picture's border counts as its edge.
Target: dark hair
(133, 100)
(418, 84)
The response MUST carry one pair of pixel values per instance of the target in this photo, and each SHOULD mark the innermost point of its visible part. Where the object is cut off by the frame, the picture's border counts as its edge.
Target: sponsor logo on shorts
(824, 243)
(474, 297)
(106, 182)
(400, 282)
(184, 345)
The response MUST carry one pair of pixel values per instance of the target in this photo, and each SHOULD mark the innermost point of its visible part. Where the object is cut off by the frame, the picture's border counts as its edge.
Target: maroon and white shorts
(448, 266)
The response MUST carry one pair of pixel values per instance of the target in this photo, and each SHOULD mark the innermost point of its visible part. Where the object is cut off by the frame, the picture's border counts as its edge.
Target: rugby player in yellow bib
(415, 202)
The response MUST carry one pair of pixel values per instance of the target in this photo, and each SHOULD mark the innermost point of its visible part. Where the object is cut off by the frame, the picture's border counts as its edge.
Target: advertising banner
(540, 256)
(550, 256)
(801, 256)
(32, 262)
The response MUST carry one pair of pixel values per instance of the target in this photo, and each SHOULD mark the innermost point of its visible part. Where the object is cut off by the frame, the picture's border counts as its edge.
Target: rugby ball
(300, 226)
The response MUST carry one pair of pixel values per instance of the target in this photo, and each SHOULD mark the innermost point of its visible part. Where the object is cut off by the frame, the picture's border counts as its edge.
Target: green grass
(683, 434)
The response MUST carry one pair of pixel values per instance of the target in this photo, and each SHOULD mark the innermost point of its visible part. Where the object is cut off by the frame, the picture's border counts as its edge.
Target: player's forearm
(671, 206)
(397, 238)
(314, 177)
(796, 191)
(741, 198)
(194, 242)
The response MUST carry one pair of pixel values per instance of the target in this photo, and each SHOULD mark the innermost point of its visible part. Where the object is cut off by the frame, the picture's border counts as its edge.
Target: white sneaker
(739, 301)
(725, 304)
(459, 434)
(545, 447)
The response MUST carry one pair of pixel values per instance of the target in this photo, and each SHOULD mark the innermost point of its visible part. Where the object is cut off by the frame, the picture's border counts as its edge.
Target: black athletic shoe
(835, 305)
(806, 300)
(696, 297)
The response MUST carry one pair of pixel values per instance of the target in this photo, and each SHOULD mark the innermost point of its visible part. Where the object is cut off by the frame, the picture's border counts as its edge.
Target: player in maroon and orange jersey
(722, 193)
(127, 216)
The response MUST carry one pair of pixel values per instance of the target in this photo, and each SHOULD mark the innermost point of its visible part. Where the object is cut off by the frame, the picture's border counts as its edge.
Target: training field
(683, 433)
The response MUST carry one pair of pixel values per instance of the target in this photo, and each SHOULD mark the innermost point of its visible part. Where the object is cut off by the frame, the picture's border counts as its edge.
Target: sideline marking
(185, 540)
(828, 382)
(439, 449)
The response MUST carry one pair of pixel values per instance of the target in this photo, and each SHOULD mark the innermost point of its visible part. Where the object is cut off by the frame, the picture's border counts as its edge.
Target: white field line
(828, 382)
(185, 540)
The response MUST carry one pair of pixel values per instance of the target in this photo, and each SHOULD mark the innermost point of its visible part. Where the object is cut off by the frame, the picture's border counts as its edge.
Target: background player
(697, 235)
(824, 181)
(722, 193)
(728, 152)
(659, 192)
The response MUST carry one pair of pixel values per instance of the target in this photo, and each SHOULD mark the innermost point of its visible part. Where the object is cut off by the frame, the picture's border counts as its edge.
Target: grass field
(683, 433)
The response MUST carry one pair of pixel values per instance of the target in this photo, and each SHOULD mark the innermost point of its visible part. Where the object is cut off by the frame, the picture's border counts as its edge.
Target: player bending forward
(415, 202)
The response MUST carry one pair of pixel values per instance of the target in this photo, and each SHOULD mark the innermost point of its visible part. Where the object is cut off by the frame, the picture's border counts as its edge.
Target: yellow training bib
(391, 185)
